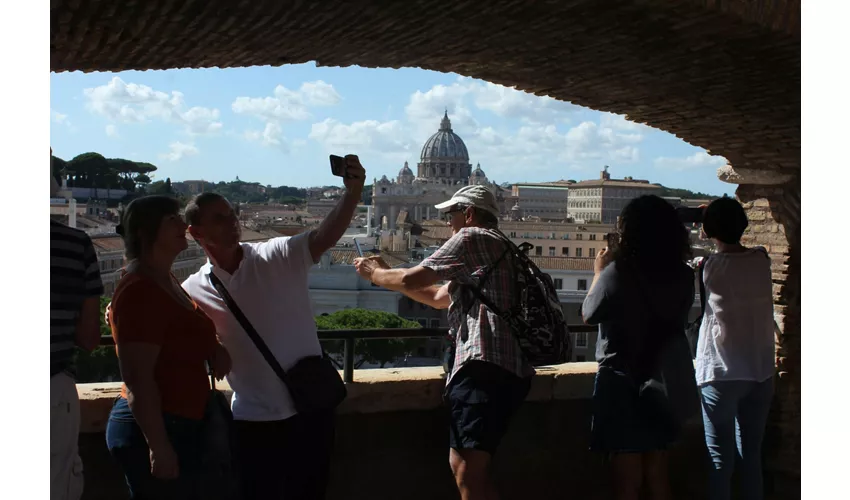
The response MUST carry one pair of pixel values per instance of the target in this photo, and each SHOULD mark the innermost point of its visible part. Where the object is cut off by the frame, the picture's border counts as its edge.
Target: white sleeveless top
(736, 337)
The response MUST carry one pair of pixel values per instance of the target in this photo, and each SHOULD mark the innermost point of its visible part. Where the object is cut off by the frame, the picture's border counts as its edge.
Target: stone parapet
(377, 391)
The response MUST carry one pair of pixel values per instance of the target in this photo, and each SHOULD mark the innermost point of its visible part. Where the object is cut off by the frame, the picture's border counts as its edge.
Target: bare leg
(628, 475)
(471, 469)
(655, 473)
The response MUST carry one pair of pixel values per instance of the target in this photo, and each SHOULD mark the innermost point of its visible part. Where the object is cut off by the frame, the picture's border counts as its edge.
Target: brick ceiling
(723, 75)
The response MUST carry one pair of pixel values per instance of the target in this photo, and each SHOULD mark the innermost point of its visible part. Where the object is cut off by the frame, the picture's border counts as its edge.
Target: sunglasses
(456, 209)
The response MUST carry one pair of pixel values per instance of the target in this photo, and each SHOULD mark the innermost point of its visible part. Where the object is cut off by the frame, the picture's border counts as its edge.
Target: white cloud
(112, 131)
(544, 142)
(698, 160)
(387, 139)
(271, 136)
(59, 118)
(286, 104)
(179, 150)
(319, 93)
(133, 103)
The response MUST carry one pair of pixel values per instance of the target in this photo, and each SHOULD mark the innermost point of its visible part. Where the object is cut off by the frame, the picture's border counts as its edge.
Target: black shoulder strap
(702, 286)
(248, 327)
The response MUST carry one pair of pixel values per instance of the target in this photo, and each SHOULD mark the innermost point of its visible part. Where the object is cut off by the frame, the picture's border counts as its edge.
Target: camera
(689, 215)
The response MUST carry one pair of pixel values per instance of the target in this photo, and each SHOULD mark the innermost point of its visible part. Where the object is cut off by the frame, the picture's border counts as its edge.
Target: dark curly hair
(651, 236)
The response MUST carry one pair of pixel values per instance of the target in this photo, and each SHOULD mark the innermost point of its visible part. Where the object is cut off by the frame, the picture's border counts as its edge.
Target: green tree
(101, 364)
(381, 351)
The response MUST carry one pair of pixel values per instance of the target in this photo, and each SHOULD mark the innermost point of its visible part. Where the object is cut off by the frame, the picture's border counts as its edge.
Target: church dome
(405, 171)
(445, 144)
(478, 172)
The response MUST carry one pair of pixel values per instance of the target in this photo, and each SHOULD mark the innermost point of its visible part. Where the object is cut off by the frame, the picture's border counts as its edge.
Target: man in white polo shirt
(280, 453)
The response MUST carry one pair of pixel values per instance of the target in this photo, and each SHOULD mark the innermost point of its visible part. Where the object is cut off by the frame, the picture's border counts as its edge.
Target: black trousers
(285, 459)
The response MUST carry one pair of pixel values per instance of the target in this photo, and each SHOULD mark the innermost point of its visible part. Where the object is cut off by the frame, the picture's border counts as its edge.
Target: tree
(381, 351)
(101, 364)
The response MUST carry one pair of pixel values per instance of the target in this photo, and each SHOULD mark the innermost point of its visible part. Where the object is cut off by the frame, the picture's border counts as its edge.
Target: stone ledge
(379, 390)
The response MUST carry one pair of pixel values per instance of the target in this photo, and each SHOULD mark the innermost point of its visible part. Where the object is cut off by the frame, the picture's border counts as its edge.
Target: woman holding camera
(641, 294)
(735, 351)
(163, 341)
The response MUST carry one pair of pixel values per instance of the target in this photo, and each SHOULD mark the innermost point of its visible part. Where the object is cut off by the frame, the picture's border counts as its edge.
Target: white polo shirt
(270, 287)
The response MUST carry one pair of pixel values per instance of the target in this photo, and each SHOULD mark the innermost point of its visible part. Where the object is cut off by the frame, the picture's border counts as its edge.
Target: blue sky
(278, 125)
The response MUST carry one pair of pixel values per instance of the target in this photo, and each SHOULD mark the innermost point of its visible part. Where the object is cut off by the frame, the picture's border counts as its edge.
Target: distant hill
(686, 194)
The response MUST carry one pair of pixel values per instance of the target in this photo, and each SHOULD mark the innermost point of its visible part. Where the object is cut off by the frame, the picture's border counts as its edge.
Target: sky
(278, 125)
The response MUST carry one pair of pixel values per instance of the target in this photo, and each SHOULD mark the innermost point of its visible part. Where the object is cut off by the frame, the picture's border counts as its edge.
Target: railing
(350, 336)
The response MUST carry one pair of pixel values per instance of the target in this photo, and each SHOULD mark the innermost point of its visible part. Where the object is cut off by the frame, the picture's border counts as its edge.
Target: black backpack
(536, 318)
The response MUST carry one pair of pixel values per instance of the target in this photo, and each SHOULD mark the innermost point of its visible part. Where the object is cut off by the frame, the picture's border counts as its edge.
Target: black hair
(192, 215)
(651, 235)
(725, 220)
(141, 220)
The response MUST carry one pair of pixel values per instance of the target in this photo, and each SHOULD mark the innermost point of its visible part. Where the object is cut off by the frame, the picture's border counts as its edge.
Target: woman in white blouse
(735, 352)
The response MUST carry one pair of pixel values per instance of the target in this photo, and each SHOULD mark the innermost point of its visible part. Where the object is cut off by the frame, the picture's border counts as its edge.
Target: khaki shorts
(66, 468)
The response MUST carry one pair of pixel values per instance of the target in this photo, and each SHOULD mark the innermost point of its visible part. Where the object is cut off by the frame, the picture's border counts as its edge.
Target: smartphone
(613, 240)
(690, 215)
(357, 246)
(338, 166)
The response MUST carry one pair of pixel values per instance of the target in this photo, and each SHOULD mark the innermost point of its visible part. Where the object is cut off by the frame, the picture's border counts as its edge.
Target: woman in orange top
(163, 341)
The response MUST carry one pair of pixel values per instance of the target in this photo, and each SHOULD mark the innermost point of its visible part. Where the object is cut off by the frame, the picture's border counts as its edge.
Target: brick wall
(774, 214)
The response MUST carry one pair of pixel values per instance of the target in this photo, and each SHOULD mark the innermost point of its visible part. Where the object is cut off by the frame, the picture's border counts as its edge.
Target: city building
(541, 201)
(549, 240)
(443, 168)
(602, 200)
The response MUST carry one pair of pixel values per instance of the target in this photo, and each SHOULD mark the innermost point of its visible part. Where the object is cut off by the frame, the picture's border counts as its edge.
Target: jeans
(735, 414)
(128, 446)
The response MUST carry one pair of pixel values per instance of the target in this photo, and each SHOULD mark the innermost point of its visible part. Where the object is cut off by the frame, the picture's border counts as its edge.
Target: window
(538, 251)
(565, 251)
(551, 251)
(592, 237)
(435, 323)
(578, 252)
(423, 322)
(559, 284)
(582, 284)
(591, 252)
(579, 236)
(581, 339)
(513, 234)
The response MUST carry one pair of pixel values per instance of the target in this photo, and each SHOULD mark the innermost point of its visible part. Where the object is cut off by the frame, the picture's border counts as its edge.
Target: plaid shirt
(480, 334)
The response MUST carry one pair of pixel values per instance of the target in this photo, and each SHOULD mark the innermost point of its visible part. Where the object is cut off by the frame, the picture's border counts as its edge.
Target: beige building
(603, 199)
(549, 239)
(543, 201)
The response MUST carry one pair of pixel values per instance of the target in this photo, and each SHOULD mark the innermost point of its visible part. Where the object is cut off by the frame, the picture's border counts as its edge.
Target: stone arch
(724, 76)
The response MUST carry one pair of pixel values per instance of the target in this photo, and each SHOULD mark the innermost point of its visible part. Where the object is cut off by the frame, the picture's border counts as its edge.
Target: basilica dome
(445, 144)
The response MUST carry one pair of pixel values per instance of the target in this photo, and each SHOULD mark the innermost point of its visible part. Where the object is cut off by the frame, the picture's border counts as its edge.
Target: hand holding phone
(338, 165)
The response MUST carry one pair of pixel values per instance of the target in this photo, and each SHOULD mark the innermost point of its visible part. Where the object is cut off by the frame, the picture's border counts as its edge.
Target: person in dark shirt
(641, 293)
(75, 290)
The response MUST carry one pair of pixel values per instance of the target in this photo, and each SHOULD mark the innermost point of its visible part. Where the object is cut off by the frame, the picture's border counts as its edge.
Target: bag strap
(476, 290)
(248, 327)
(702, 286)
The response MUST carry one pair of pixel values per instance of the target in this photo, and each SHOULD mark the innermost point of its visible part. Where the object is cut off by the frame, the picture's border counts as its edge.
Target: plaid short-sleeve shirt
(478, 333)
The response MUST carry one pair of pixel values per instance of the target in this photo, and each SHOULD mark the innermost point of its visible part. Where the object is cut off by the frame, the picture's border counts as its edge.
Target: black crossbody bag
(313, 382)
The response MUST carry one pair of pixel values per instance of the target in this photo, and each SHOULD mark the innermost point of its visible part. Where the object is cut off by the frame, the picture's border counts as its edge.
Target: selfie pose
(257, 296)
(164, 342)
